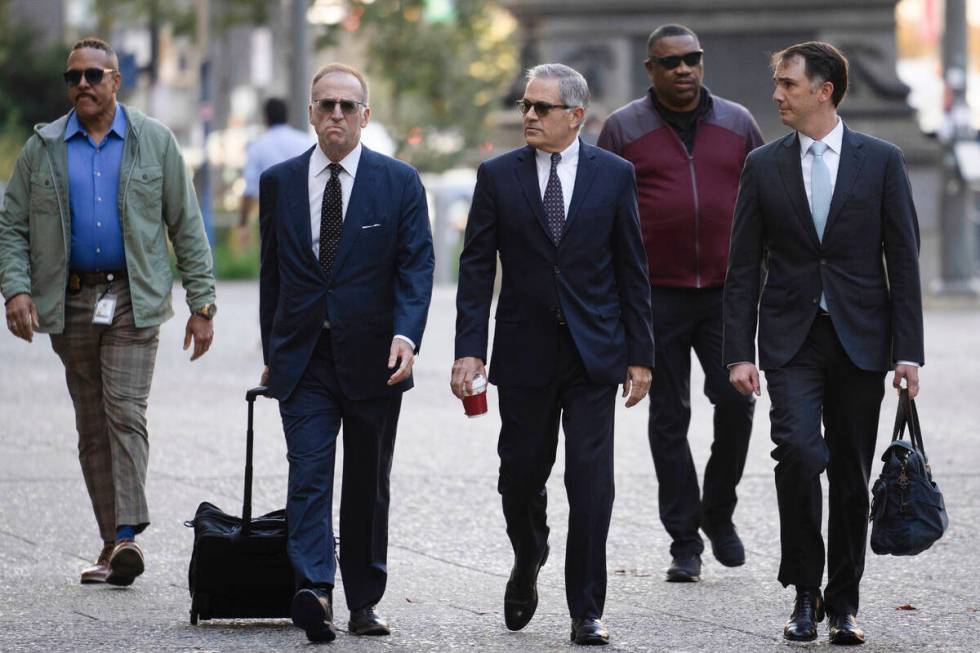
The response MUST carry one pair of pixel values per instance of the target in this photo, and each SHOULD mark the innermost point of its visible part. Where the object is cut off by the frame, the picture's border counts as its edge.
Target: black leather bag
(239, 567)
(907, 508)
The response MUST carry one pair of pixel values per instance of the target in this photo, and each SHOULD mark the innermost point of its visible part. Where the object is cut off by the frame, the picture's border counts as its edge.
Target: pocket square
(371, 226)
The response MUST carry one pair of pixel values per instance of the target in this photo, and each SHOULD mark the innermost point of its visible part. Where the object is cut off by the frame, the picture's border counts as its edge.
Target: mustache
(81, 95)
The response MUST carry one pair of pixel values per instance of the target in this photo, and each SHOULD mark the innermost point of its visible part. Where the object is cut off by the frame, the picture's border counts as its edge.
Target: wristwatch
(206, 312)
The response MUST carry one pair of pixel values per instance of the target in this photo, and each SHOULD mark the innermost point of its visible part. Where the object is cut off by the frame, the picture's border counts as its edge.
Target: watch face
(207, 311)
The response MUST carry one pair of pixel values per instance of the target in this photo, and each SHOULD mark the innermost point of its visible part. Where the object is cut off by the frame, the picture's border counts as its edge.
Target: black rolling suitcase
(239, 567)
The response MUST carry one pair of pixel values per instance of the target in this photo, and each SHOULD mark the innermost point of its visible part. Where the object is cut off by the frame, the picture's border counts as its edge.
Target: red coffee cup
(475, 403)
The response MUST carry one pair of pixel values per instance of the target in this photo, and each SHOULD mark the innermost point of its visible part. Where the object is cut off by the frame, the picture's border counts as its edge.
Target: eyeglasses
(347, 107)
(93, 76)
(540, 108)
(673, 61)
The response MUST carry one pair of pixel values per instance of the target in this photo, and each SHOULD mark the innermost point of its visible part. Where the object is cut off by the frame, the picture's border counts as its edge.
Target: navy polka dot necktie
(331, 218)
(554, 201)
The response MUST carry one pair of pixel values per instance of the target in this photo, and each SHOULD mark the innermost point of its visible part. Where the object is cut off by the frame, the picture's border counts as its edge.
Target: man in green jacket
(83, 257)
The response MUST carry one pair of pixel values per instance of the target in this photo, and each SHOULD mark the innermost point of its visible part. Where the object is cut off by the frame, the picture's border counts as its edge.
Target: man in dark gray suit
(828, 213)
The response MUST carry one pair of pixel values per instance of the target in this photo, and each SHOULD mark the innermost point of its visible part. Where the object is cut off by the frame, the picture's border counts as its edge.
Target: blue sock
(125, 532)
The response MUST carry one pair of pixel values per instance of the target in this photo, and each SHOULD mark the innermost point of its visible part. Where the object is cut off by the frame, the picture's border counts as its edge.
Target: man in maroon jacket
(688, 148)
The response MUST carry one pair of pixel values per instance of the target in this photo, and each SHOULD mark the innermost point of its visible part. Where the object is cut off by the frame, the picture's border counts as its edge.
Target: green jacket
(155, 198)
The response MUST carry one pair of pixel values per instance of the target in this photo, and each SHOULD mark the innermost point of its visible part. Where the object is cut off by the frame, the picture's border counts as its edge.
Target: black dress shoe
(313, 612)
(589, 632)
(727, 547)
(367, 622)
(684, 570)
(844, 630)
(521, 594)
(807, 613)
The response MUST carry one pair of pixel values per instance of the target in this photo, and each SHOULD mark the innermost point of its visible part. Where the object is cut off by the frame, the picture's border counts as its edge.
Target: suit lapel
(791, 172)
(298, 196)
(527, 176)
(584, 175)
(359, 208)
(848, 170)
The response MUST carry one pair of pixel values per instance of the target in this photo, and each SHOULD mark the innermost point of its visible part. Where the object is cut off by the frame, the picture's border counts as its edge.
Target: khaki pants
(109, 369)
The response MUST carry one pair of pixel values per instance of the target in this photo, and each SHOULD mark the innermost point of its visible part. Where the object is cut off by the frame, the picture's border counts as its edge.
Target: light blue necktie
(821, 193)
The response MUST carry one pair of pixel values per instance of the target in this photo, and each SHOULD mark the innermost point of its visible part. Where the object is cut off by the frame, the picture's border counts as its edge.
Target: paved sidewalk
(449, 556)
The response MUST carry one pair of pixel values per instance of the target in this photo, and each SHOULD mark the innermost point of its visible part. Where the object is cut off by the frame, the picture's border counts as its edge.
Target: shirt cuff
(731, 365)
(912, 363)
(406, 339)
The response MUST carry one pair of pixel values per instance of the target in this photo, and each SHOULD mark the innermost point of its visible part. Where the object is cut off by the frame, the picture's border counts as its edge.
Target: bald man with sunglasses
(688, 147)
(83, 256)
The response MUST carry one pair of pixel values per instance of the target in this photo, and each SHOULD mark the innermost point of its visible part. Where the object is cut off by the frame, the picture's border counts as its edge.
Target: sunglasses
(92, 75)
(347, 107)
(673, 61)
(540, 108)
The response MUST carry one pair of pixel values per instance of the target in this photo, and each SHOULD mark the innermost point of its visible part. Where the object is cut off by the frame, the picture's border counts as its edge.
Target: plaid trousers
(109, 369)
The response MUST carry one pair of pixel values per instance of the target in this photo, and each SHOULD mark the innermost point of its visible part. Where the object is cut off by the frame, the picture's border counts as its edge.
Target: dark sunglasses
(347, 107)
(93, 76)
(540, 108)
(673, 61)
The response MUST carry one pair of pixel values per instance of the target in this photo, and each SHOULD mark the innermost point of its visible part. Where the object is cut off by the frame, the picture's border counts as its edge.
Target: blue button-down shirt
(93, 192)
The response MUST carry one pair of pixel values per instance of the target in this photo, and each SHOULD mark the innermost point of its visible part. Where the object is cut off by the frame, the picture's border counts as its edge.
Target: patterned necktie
(820, 195)
(554, 201)
(331, 218)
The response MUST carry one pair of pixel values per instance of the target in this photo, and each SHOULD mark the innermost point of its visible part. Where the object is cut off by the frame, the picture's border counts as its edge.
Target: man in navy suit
(346, 280)
(573, 321)
(828, 213)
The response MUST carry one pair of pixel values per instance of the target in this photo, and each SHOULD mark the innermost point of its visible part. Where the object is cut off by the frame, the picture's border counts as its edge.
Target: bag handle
(258, 391)
(908, 415)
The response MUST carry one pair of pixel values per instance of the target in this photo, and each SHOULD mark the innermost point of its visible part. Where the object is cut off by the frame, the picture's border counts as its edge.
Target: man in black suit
(346, 280)
(573, 321)
(828, 213)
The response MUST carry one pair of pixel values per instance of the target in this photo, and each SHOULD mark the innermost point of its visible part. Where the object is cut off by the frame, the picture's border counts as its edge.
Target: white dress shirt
(567, 168)
(319, 175)
(831, 156)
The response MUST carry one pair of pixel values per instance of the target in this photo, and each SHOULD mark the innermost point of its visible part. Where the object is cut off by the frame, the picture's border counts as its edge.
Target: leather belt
(78, 279)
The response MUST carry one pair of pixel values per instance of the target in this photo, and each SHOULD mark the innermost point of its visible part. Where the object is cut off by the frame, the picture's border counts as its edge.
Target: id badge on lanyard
(105, 307)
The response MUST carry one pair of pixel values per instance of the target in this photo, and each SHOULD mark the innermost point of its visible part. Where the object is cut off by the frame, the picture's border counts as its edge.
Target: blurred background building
(444, 74)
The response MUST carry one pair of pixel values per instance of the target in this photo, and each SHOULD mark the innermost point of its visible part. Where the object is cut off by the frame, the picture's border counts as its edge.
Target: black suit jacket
(596, 274)
(380, 283)
(867, 263)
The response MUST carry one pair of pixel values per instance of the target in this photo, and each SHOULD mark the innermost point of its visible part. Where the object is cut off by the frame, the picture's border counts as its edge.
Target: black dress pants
(527, 448)
(686, 319)
(821, 381)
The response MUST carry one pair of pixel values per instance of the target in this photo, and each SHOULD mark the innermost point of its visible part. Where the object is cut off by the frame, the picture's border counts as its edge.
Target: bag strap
(259, 391)
(915, 430)
(901, 417)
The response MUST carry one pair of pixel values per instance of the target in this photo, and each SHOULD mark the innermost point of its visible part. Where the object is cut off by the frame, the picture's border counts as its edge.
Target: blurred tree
(439, 68)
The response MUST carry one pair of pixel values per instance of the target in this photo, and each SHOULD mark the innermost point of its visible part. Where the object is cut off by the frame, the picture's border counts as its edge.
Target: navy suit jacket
(596, 275)
(380, 283)
(867, 264)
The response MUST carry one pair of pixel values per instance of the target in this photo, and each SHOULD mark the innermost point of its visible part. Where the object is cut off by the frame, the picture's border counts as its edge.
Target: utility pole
(299, 73)
(959, 233)
(205, 112)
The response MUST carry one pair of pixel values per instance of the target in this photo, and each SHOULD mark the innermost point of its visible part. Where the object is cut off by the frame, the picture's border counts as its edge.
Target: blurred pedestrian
(83, 256)
(279, 142)
(573, 321)
(828, 212)
(688, 147)
(345, 285)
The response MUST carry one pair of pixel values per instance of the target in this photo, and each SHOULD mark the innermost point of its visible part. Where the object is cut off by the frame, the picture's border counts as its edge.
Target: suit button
(814, 300)
(557, 271)
(823, 261)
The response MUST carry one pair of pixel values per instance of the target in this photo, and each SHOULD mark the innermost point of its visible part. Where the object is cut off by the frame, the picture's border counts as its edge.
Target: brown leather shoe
(97, 572)
(125, 563)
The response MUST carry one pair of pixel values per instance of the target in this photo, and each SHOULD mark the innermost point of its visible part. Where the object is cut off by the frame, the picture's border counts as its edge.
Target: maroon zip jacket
(686, 201)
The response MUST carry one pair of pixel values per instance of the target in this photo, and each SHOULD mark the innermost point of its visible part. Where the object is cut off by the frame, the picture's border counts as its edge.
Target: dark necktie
(554, 202)
(331, 218)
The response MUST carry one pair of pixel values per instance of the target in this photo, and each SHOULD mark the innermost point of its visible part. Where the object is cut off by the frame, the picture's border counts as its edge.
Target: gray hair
(572, 87)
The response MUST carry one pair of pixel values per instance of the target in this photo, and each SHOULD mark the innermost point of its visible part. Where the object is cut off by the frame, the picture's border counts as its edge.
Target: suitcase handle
(258, 391)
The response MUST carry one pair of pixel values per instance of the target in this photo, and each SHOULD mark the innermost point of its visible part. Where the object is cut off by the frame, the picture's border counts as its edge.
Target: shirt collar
(319, 161)
(834, 140)
(118, 125)
(568, 155)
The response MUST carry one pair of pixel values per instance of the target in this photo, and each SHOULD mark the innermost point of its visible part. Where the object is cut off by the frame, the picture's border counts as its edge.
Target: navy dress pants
(312, 416)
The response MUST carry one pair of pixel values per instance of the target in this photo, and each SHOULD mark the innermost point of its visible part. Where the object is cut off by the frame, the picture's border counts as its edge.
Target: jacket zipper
(697, 207)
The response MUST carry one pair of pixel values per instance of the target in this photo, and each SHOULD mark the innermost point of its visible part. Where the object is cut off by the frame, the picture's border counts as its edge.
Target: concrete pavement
(449, 556)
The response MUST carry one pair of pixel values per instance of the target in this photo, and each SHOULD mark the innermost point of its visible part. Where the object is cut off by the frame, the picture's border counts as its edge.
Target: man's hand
(22, 316)
(402, 356)
(264, 380)
(911, 375)
(465, 369)
(202, 332)
(637, 384)
(745, 378)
